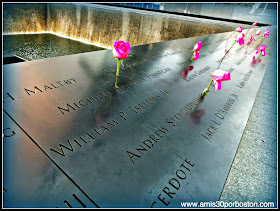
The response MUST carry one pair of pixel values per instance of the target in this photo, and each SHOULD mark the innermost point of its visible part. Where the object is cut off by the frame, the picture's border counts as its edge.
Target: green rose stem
(259, 56)
(261, 41)
(247, 31)
(205, 92)
(191, 59)
(118, 72)
(227, 53)
(230, 35)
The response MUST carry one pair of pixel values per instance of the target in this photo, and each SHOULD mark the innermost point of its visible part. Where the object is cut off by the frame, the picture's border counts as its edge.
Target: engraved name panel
(124, 147)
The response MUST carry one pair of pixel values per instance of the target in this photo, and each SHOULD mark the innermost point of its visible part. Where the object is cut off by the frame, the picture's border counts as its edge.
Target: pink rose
(252, 38)
(239, 29)
(266, 33)
(262, 50)
(198, 46)
(196, 55)
(258, 32)
(121, 49)
(219, 76)
(254, 24)
(240, 39)
(263, 47)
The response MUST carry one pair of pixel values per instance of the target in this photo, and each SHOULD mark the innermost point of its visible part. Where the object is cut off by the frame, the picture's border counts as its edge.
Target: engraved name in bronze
(83, 102)
(174, 184)
(219, 117)
(51, 86)
(197, 73)
(245, 79)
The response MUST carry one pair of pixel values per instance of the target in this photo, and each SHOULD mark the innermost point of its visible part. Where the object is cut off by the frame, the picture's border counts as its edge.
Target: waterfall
(103, 25)
(125, 27)
(48, 18)
(78, 17)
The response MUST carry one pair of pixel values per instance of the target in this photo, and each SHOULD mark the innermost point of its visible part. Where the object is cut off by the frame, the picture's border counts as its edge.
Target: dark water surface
(41, 46)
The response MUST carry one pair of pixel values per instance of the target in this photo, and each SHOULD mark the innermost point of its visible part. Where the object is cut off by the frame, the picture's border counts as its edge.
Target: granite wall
(103, 25)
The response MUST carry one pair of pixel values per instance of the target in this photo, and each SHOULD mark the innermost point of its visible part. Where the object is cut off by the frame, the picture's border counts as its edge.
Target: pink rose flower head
(198, 46)
(239, 29)
(196, 55)
(262, 50)
(219, 76)
(258, 32)
(263, 47)
(240, 39)
(266, 33)
(121, 49)
(252, 38)
(254, 24)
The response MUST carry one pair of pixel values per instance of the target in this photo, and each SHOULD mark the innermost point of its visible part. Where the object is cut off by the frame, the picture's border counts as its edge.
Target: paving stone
(261, 171)
(258, 153)
(250, 188)
(268, 142)
(229, 195)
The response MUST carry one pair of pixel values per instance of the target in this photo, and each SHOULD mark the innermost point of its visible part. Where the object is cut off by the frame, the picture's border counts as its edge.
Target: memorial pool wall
(102, 25)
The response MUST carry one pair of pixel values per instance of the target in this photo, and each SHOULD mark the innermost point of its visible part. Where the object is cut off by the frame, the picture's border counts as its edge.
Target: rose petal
(239, 29)
(218, 85)
(196, 55)
(221, 75)
(241, 42)
(263, 47)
